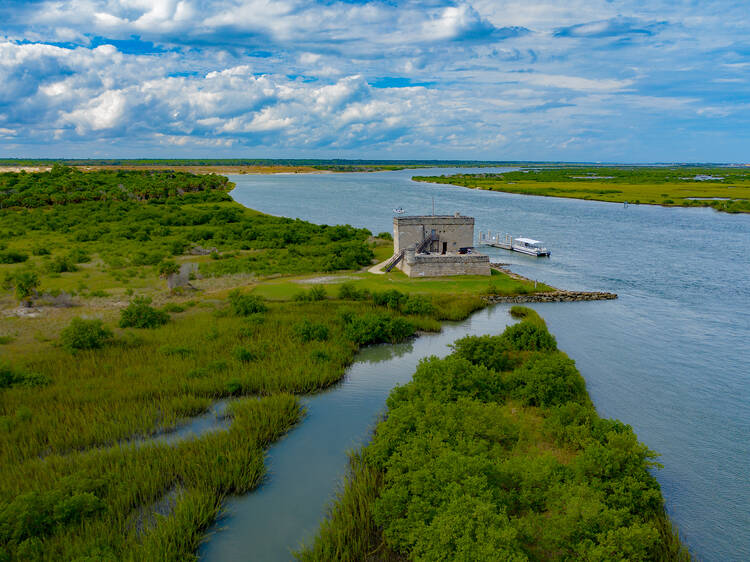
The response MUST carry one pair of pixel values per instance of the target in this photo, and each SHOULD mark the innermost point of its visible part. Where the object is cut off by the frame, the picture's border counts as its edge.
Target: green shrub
(25, 283)
(39, 250)
(77, 255)
(142, 257)
(377, 328)
(308, 331)
(140, 314)
(173, 307)
(244, 354)
(417, 304)
(168, 267)
(37, 514)
(349, 291)
(12, 256)
(198, 373)
(548, 380)
(347, 255)
(61, 264)
(385, 236)
(13, 377)
(244, 304)
(85, 334)
(178, 247)
(315, 293)
(528, 336)
(234, 387)
(218, 366)
(490, 351)
(392, 298)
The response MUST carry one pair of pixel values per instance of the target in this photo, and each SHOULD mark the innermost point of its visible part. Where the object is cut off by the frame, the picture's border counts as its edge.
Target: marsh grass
(124, 479)
(141, 385)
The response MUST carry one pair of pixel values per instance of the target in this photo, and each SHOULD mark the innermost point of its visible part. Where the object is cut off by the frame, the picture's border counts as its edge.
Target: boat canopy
(527, 241)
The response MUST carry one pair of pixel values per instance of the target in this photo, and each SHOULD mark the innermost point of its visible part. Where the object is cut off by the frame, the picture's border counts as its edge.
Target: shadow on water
(307, 465)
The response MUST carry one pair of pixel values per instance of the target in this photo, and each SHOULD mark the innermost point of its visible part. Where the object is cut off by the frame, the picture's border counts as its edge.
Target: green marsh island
(134, 301)
(724, 189)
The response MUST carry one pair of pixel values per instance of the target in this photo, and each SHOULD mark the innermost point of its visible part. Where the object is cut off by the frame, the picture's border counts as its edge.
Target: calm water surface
(671, 356)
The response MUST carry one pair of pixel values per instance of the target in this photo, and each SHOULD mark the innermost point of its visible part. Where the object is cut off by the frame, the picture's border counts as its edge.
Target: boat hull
(531, 251)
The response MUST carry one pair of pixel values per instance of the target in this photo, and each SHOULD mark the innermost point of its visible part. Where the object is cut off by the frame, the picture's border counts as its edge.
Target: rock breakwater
(554, 296)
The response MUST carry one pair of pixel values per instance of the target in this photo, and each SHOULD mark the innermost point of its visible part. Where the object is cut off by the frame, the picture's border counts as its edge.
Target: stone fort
(436, 245)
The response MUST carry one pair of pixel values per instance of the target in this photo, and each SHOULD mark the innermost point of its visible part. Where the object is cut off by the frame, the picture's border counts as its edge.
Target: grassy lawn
(287, 288)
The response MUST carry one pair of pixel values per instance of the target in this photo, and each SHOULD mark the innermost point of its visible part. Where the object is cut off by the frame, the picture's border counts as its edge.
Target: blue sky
(592, 80)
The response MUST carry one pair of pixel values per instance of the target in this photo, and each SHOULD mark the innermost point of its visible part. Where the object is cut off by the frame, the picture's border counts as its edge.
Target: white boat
(524, 245)
(399, 210)
(529, 246)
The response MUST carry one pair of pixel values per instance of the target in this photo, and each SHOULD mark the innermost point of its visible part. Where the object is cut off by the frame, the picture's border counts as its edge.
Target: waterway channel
(671, 356)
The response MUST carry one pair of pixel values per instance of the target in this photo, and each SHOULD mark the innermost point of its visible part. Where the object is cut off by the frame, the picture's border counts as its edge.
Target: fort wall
(455, 231)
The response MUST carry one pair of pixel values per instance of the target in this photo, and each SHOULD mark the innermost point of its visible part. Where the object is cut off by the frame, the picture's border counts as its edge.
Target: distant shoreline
(728, 192)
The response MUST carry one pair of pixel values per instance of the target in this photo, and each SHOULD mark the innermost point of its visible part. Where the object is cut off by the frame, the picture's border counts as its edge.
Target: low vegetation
(723, 189)
(496, 453)
(79, 232)
(103, 356)
(140, 314)
(85, 334)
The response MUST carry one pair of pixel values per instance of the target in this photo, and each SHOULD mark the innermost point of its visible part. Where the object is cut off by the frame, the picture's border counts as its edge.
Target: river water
(671, 356)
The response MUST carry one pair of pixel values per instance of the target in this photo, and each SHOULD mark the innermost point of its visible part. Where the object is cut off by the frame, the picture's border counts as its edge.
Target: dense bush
(478, 462)
(244, 305)
(139, 219)
(85, 334)
(77, 255)
(40, 250)
(348, 255)
(63, 185)
(12, 256)
(37, 514)
(350, 291)
(528, 336)
(548, 380)
(391, 298)
(244, 354)
(140, 314)
(417, 304)
(490, 351)
(315, 293)
(377, 328)
(308, 331)
(168, 267)
(61, 264)
(25, 283)
(10, 376)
